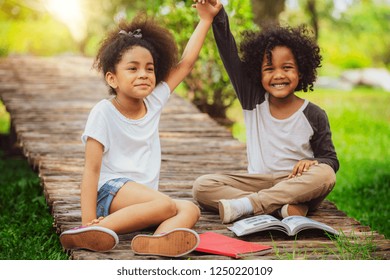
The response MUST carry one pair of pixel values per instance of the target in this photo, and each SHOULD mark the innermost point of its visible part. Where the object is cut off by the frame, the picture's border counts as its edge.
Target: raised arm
(191, 52)
(247, 92)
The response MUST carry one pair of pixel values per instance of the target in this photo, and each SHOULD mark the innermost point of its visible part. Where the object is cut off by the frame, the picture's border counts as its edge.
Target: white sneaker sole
(92, 238)
(176, 243)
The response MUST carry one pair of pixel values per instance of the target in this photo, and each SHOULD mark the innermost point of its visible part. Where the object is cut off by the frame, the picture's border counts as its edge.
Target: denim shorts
(107, 193)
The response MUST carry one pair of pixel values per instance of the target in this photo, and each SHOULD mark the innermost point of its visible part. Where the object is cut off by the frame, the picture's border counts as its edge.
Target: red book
(218, 244)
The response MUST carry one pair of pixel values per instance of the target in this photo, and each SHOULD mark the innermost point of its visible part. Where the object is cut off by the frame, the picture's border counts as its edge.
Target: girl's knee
(167, 208)
(189, 209)
(195, 211)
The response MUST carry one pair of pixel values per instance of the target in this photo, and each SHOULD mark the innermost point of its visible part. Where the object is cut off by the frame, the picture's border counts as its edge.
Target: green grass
(343, 247)
(4, 120)
(360, 123)
(26, 231)
(352, 247)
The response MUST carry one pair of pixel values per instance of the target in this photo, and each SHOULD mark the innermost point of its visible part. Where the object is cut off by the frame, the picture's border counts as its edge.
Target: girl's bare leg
(173, 238)
(136, 206)
(187, 216)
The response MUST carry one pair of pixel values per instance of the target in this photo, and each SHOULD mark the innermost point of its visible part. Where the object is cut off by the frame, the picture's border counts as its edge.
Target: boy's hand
(302, 166)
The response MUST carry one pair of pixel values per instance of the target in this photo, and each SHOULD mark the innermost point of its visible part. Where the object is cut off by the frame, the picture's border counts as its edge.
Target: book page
(257, 223)
(298, 223)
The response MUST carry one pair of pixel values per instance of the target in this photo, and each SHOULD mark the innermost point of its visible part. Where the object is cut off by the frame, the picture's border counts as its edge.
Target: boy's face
(134, 74)
(280, 77)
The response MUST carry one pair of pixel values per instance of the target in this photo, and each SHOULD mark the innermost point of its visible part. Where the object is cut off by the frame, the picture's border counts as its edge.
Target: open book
(290, 225)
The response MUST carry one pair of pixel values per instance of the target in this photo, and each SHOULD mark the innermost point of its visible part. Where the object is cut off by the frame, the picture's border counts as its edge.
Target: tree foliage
(357, 36)
(352, 36)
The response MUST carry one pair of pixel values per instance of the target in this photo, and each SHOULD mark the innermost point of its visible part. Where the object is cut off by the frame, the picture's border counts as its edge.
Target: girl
(292, 160)
(122, 147)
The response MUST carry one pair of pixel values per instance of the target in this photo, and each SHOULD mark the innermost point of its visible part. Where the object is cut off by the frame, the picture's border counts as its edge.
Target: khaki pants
(267, 193)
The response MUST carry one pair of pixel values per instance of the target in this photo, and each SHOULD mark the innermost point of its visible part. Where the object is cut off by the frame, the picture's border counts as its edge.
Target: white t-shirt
(273, 145)
(131, 147)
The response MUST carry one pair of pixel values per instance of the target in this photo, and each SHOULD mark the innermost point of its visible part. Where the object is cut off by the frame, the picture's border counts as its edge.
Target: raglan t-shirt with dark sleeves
(273, 145)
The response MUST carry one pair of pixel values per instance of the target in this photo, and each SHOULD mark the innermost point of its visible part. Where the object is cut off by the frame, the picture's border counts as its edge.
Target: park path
(49, 100)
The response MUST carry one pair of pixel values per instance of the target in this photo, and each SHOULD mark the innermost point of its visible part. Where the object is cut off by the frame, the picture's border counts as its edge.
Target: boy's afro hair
(299, 40)
(158, 40)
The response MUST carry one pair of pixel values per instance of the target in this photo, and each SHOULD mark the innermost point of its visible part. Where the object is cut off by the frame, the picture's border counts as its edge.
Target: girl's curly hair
(299, 40)
(158, 40)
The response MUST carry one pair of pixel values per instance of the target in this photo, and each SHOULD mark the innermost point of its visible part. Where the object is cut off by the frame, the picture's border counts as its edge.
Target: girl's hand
(95, 221)
(302, 166)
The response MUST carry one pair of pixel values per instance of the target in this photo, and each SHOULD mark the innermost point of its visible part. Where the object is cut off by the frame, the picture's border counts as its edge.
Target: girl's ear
(111, 80)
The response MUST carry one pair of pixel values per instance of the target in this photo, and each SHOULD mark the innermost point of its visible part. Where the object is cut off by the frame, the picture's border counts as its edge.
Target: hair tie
(136, 34)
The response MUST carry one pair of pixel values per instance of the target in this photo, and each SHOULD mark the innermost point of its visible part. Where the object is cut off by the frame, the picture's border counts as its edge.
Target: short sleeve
(97, 127)
(160, 94)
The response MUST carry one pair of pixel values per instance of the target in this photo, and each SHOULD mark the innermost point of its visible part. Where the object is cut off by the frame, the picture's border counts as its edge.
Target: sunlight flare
(70, 13)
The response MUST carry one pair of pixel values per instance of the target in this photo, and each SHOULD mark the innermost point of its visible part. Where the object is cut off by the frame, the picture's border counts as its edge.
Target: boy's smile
(280, 85)
(280, 76)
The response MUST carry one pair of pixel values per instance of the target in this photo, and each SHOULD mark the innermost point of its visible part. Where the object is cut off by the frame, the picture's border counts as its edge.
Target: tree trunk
(267, 12)
(312, 9)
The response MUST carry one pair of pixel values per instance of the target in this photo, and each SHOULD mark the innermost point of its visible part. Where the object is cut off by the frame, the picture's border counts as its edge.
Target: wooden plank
(49, 100)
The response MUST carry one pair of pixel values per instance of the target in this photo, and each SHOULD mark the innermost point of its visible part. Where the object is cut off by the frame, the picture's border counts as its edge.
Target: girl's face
(281, 76)
(134, 75)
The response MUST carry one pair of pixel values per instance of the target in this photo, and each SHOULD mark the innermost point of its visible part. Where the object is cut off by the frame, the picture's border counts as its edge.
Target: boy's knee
(200, 185)
(328, 176)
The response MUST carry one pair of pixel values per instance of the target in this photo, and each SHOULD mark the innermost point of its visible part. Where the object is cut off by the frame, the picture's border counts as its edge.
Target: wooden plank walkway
(49, 100)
